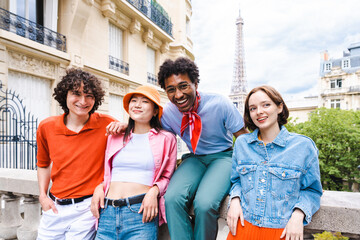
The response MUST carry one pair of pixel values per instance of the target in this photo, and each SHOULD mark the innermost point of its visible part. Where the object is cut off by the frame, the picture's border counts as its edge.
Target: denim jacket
(273, 180)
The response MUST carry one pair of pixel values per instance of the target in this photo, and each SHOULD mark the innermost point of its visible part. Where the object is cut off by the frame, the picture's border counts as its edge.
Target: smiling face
(80, 103)
(141, 109)
(264, 112)
(181, 91)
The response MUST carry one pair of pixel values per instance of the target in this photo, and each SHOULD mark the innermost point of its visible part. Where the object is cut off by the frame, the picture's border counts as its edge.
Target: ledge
(339, 211)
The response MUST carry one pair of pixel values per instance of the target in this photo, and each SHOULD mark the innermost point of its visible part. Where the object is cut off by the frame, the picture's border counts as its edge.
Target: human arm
(168, 162)
(149, 205)
(97, 200)
(240, 132)
(233, 215)
(310, 193)
(115, 128)
(43, 175)
(234, 210)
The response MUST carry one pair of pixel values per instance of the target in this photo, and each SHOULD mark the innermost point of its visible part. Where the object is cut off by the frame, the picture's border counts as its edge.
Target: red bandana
(193, 120)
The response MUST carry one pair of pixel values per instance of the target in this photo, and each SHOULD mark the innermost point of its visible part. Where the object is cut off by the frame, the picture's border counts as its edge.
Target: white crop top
(135, 162)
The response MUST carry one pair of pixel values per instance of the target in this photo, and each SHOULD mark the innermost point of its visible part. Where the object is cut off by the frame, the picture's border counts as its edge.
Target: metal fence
(17, 132)
(118, 65)
(155, 12)
(151, 78)
(31, 30)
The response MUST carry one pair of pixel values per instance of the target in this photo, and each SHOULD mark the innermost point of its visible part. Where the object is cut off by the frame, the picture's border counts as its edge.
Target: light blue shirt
(219, 119)
(273, 180)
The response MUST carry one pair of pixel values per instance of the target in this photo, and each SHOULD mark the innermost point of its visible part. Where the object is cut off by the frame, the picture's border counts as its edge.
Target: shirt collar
(92, 123)
(280, 139)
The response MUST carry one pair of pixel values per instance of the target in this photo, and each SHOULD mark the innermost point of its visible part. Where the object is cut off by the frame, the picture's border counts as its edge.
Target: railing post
(10, 218)
(28, 230)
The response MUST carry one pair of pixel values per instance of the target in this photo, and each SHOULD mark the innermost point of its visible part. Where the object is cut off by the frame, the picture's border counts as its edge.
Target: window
(43, 12)
(151, 58)
(339, 83)
(116, 107)
(327, 67)
(116, 50)
(115, 42)
(336, 83)
(345, 63)
(335, 103)
(35, 92)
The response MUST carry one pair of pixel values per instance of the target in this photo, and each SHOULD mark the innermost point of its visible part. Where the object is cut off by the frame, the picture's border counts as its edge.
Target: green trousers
(201, 180)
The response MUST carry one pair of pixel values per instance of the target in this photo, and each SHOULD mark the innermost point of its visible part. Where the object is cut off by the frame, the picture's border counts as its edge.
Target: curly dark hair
(275, 97)
(72, 81)
(181, 65)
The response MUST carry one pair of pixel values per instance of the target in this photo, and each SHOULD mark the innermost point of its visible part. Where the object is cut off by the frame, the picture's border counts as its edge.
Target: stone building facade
(339, 81)
(338, 85)
(122, 42)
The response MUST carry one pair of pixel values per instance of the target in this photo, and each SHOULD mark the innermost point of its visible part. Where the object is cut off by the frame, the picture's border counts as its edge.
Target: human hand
(46, 203)
(149, 205)
(97, 200)
(115, 128)
(294, 228)
(234, 213)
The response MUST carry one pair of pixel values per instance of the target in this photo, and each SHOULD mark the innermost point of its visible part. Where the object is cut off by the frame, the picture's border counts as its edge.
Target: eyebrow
(183, 82)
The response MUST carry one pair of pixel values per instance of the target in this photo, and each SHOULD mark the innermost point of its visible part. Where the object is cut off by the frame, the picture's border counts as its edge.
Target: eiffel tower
(239, 84)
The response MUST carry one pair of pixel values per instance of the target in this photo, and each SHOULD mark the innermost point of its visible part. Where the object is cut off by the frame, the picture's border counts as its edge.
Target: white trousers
(73, 221)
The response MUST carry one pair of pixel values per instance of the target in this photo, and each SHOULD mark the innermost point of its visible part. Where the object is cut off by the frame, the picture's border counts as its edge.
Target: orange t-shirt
(77, 158)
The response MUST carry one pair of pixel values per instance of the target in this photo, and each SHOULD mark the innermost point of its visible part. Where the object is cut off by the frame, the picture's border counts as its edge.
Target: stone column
(28, 230)
(10, 218)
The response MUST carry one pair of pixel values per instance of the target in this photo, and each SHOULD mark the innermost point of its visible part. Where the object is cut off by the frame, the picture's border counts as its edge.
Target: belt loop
(127, 202)
(73, 202)
(106, 203)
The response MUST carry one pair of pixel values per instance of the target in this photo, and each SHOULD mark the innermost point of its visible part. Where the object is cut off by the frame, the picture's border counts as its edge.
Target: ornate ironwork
(155, 13)
(151, 78)
(118, 65)
(17, 133)
(31, 30)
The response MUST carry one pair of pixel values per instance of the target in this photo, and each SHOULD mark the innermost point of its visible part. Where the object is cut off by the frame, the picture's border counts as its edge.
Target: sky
(283, 40)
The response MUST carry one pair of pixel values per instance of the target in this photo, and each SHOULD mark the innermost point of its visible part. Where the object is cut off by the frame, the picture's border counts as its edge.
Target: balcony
(151, 78)
(155, 13)
(341, 90)
(31, 30)
(118, 65)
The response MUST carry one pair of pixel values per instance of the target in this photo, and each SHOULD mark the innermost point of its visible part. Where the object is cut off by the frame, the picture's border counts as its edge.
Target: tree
(337, 135)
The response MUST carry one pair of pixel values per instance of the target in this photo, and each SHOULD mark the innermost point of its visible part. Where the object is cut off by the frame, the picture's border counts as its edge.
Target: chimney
(324, 55)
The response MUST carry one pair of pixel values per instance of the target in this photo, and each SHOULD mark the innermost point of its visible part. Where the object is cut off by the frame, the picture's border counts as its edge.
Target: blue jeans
(125, 223)
(202, 181)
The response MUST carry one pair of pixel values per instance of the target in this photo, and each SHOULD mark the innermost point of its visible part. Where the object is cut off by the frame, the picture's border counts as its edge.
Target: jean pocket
(247, 177)
(47, 212)
(134, 207)
(101, 210)
(284, 182)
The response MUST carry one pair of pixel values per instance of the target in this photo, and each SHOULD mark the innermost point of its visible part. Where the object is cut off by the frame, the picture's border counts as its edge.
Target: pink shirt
(164, 149)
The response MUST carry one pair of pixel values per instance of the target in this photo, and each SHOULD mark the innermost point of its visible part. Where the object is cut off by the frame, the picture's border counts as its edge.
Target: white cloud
(282, 41)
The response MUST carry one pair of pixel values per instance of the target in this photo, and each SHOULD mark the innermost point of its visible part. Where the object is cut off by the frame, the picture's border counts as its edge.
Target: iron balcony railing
(151, 78)
(339, 90)
(155, 13)
(31, 30)
(118, 65)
